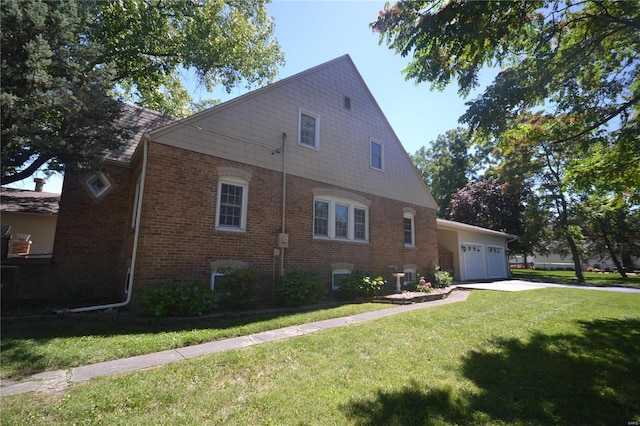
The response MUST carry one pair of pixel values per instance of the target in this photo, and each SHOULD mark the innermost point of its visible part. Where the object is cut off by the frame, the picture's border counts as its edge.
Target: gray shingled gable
(22, 201)
(143, 120)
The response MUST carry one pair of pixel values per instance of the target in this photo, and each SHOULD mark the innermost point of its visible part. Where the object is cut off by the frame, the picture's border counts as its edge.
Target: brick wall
(89, 251)
(178, 239)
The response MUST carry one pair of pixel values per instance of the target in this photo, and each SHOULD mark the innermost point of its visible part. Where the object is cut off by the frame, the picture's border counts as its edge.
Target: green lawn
(591, 278)
(548, 356)
(57, 343)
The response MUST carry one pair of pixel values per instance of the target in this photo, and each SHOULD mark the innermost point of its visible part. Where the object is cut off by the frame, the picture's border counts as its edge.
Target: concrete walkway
(53, 381)
(520, 285)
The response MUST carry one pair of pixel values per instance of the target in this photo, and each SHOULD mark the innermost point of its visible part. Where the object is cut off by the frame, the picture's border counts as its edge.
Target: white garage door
(473, 261)
(496, 262)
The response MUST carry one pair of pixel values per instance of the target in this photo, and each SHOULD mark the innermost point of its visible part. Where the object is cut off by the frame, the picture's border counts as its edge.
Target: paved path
(520, 285)
(52, 381)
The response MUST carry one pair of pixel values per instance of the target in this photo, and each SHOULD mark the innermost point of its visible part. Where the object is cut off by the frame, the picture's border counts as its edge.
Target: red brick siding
(178, 240)
(89, 249)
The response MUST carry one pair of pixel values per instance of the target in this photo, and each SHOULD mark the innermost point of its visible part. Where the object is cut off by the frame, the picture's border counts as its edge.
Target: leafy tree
(55, 104)
(488, 203)
(64, 62)
(576, 59)
(612, 229)
(445, 166)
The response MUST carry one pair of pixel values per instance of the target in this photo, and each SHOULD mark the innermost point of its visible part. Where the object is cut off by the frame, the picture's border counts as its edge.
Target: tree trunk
(576, 258)
(612, 253)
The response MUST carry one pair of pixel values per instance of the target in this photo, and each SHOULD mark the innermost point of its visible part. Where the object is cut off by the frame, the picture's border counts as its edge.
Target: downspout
(132, 268)
(284, 198)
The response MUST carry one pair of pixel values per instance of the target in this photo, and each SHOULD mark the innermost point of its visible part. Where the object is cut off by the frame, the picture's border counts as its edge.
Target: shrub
(238, 289)
(359, 285)
(424, 286)
(442, 278)
(299, 289)
(178, 300)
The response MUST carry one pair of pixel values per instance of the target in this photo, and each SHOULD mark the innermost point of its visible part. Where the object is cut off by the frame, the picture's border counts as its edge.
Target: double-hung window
(309, 129)
(232, 205)
(409, 228)
(377, 155)
(340, 219)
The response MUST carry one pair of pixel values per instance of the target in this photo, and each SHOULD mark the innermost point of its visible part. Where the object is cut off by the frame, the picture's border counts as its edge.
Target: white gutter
(132, 268)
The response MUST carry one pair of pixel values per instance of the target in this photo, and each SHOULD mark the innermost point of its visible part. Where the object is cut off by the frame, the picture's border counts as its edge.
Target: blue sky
(313, 32)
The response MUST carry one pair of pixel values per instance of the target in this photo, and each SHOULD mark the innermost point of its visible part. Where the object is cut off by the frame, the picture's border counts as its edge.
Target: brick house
(305, 174)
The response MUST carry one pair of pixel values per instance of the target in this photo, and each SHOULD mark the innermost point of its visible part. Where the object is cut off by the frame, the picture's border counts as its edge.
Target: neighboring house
(305, 174)
(30, 218)
(473, 253)
(557, 261)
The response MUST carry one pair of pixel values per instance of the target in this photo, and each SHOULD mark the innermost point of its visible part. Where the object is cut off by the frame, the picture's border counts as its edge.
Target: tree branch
(28, 171)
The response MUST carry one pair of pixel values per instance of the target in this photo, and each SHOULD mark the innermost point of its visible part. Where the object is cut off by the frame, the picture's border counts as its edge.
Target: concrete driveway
(520, 285)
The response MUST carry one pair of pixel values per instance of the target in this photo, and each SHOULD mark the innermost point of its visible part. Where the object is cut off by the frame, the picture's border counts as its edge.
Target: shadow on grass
(585, 378)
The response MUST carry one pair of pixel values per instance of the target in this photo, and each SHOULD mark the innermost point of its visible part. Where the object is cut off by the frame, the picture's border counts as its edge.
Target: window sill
(230, 230)
(339, 240)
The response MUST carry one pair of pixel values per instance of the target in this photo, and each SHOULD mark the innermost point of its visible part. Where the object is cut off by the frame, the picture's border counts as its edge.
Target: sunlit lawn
(591, 278)
(57, 343)
(548, 356)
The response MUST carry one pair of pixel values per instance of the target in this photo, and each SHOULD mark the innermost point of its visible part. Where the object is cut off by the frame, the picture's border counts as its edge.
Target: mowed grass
(591, 278)
(548, 356)
(57, 343)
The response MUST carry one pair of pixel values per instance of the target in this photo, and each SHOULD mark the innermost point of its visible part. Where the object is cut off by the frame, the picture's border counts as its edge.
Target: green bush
(299, 289)
(359, 284)
(238, 289)
(178, 300)
(442, 279)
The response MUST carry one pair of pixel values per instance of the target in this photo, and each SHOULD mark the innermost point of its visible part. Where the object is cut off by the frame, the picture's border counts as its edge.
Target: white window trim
(335, 286)
(105, 180)
(235, 181)
(317, 135)
(371, 142)
(409, 271)
(215, 274)
(411, 216)
(351, 205)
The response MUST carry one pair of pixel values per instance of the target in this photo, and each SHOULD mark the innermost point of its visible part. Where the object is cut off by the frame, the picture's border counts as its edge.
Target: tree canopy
(65, 63)
(446, 166)
(575, 59)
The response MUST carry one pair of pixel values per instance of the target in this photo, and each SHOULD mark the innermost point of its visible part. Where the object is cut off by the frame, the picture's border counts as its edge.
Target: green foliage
(446, 166)
(359, 284)
(443, 279)
(65, 62)
(178, 300)
(424, 286)
(238, 289)
(55, 105)
(221, 43)
(299, 289)
(438, 279)
(575, 60)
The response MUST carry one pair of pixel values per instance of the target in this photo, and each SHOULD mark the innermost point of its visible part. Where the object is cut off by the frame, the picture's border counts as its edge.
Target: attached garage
(473, 253)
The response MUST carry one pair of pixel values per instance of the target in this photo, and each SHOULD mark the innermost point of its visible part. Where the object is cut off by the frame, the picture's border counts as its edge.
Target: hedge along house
(305, 174)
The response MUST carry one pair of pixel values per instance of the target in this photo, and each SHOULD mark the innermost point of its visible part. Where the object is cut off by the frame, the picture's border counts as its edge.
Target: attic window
(98, 184)
(309, 129)
(347, 102)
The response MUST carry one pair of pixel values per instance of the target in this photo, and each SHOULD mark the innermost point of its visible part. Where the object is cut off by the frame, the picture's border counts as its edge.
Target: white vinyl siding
(309, 129)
